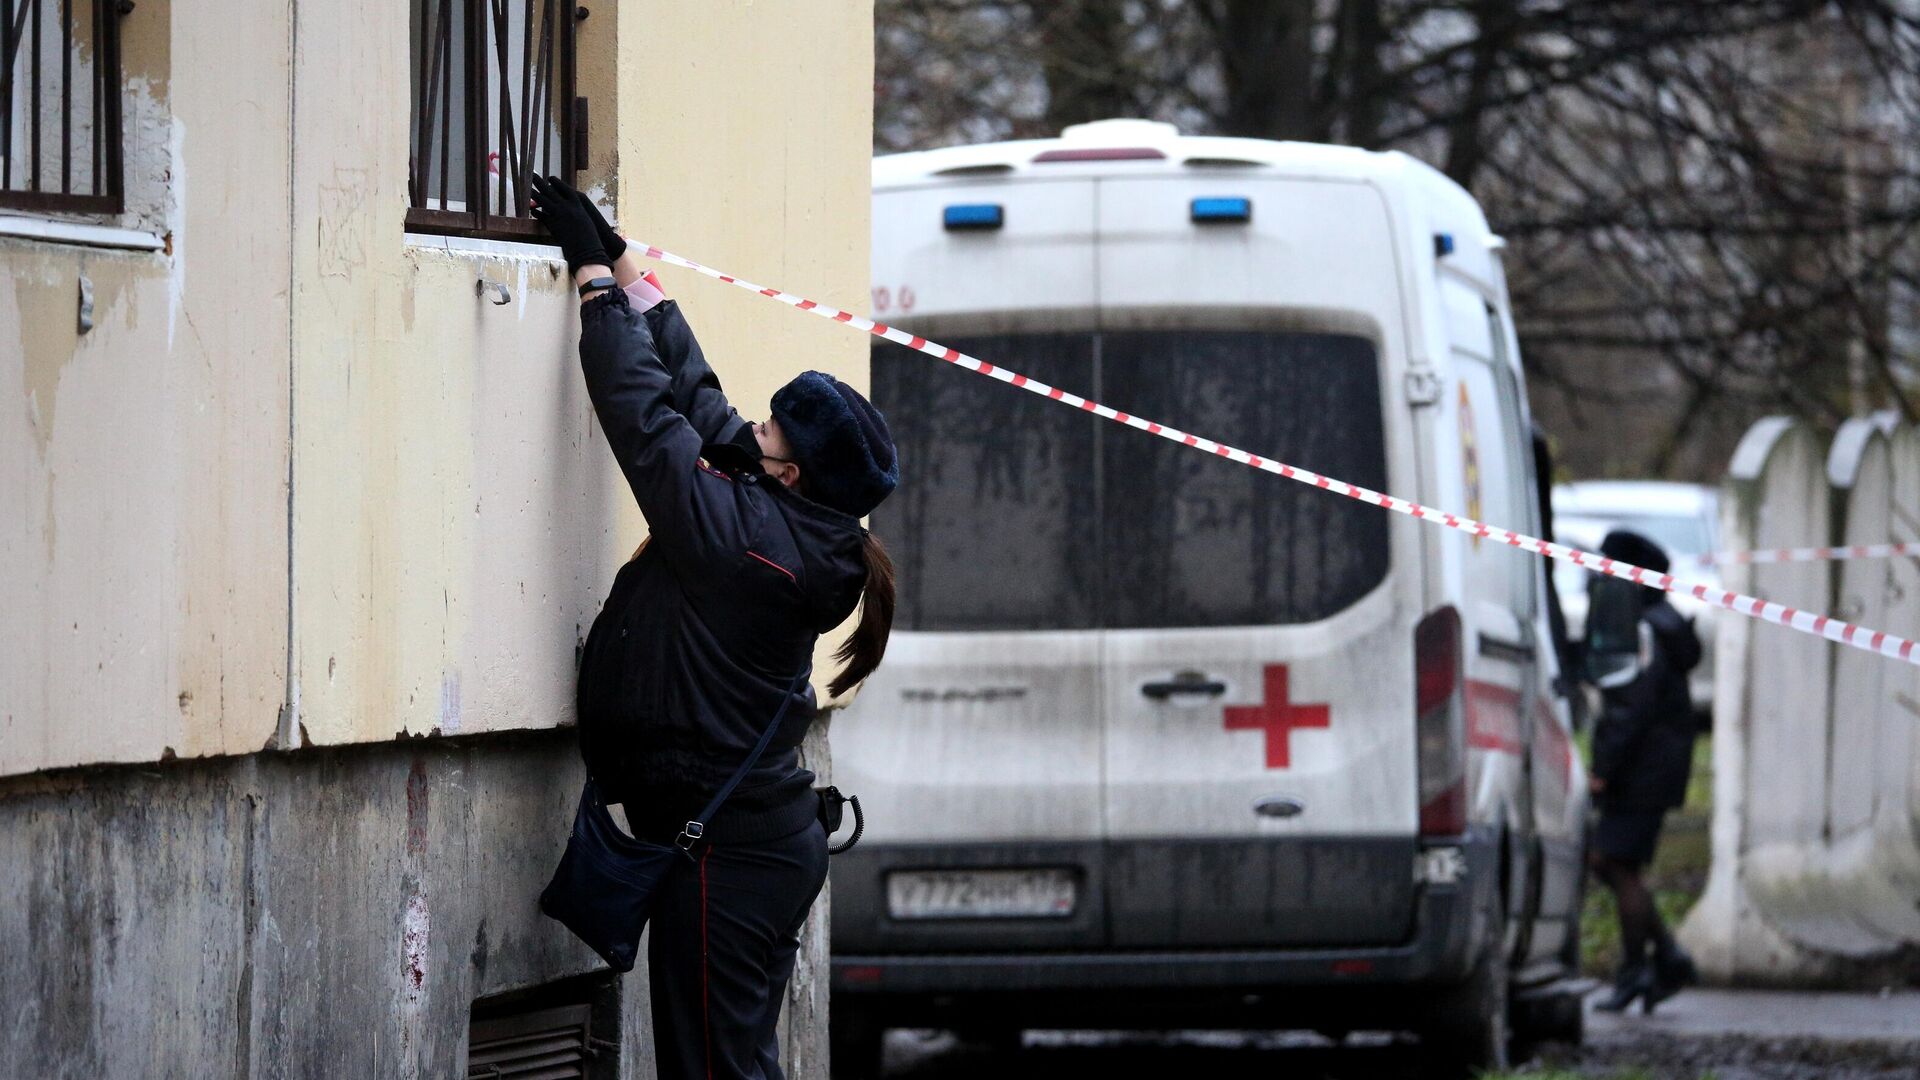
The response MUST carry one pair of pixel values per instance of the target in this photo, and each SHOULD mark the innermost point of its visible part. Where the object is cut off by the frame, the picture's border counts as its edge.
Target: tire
(853, 1044)
(1470, 1029)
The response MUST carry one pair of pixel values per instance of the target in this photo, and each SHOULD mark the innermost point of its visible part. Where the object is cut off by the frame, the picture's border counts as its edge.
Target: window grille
(493, 106)
(60, 105)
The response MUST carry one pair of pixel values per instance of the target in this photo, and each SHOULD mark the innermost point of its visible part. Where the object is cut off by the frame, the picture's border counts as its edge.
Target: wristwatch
(598, 283)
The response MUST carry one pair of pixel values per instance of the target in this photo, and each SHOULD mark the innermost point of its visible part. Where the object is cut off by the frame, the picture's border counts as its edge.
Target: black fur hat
(1627, 546)
(846, 454)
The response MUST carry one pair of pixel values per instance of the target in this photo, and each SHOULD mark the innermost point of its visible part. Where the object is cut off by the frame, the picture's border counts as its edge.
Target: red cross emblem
(1276, 716)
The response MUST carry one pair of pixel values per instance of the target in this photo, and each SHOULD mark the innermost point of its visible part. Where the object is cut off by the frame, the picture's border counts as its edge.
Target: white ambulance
(1162, 741)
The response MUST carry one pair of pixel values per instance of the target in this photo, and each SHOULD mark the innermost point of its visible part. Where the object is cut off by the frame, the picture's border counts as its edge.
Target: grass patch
(1677, 876)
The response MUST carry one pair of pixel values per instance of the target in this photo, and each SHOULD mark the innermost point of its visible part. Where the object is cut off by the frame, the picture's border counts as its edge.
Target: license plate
(981, 894)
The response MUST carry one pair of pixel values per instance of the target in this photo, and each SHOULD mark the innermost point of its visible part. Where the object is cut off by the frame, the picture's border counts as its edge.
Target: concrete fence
(1816, 830)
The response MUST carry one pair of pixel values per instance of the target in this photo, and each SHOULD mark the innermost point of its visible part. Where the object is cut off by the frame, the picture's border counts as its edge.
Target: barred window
(493, 107)
(60, 105)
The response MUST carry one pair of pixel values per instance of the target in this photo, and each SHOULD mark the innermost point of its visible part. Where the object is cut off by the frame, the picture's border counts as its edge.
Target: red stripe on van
(1493, 717)
(1551, 744)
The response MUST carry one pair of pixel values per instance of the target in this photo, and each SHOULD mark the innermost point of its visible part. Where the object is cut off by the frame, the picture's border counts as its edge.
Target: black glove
(613, 242)
(573, 223)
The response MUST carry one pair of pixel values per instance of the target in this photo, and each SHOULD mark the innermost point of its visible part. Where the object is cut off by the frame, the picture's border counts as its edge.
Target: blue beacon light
(974, 216)
(1222, 210)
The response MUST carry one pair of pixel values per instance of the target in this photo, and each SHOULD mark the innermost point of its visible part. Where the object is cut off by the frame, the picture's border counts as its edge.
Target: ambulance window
(993, 521)
(1525, 506)
(1497, 467)
(1193, 540)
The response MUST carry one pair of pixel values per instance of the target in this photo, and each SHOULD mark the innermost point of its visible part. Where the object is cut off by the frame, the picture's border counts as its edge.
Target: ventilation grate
(540, 1044)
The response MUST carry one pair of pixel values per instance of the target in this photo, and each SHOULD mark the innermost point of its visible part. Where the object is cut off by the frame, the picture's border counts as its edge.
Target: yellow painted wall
(143, 465)
(455, 515)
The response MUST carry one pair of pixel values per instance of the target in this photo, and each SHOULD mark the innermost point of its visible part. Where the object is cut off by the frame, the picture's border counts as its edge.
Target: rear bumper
(1197, 987)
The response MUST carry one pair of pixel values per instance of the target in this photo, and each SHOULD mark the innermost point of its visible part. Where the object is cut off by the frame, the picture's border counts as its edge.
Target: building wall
(443, 579)
(297, 545)
(323, 913)
(293, 380)
(143, 465)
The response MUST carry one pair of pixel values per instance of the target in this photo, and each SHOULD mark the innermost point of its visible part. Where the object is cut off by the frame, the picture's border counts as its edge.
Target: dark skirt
(1628, 836)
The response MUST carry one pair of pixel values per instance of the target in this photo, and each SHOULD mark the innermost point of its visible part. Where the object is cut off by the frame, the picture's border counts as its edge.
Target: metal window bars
(493, 106)
(60, 123)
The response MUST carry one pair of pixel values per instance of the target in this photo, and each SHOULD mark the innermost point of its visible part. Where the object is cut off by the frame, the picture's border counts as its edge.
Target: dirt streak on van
(1172, 734)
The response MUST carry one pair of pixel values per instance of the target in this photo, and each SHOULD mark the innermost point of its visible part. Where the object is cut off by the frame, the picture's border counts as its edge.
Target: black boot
(1634, 981)
(1673, 971)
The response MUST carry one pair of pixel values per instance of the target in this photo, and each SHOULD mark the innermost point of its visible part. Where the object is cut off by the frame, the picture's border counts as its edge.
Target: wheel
(1470, 1030)
(1003, 1041)
(854, 1039)
(1566, 1020)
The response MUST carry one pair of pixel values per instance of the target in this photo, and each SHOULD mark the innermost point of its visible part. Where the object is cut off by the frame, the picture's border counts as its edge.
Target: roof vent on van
(1222, 163)
(1113, 132)
(990, 169)
(1113, 140)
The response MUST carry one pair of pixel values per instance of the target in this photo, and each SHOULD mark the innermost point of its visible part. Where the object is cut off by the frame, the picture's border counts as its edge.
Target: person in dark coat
(1642, 755)
(755, 549)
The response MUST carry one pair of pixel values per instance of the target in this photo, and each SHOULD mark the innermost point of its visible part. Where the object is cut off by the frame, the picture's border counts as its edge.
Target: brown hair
(862, 650)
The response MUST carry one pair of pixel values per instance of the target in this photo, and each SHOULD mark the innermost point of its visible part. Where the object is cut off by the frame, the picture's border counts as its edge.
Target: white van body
(1143, 748)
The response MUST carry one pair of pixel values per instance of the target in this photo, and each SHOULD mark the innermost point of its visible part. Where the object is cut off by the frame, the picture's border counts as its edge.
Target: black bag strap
(694, 830)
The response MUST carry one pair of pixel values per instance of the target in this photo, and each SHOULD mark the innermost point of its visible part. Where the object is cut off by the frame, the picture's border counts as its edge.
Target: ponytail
(862, 650)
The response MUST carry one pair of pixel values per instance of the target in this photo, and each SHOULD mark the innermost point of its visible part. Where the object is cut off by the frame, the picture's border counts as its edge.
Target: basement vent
(548, 1044)
(562, 1031)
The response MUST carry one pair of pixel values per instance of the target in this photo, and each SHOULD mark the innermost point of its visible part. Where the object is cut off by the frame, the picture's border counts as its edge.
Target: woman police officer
(1642, 753)
(755, 549)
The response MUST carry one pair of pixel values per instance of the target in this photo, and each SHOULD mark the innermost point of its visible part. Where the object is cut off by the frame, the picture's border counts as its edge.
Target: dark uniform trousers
(720, 950)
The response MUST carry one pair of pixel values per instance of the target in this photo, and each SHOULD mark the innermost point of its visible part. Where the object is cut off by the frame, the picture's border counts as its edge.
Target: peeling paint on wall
(415, 945)
(450, 703)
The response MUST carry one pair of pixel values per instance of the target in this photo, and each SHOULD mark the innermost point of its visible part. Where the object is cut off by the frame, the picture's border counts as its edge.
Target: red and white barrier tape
(1806, 622)
(1808, 554)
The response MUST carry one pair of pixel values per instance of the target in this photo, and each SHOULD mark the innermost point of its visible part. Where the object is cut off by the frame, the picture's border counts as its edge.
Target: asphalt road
(1725, 1034)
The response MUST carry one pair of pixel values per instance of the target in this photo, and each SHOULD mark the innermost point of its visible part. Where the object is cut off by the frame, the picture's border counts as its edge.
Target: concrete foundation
(325, 913)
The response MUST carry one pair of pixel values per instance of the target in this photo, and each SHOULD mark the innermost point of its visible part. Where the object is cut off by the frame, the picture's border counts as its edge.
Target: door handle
(1187, 682)
(1518, 652)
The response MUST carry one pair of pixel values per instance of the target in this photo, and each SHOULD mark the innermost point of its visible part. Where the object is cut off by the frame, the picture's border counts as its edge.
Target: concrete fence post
(1816, 854)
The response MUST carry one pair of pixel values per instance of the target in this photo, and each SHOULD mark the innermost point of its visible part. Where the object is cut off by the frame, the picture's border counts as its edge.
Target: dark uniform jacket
(1643, 743)
(705, 630)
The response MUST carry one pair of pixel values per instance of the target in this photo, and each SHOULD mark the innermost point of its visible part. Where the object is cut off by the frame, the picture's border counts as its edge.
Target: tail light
(1440, 723)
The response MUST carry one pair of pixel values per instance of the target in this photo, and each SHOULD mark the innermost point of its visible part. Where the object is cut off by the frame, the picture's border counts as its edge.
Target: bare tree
(1711, 206)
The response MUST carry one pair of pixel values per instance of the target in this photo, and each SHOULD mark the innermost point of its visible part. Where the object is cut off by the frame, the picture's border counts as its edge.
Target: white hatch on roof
(1120, 133)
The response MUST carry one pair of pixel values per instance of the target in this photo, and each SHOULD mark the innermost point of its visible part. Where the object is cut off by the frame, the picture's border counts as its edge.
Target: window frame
(479, 221)
(107, 114)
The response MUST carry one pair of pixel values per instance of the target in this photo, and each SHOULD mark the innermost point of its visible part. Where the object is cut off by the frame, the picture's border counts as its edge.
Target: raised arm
(696, 389)
(695, 511)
